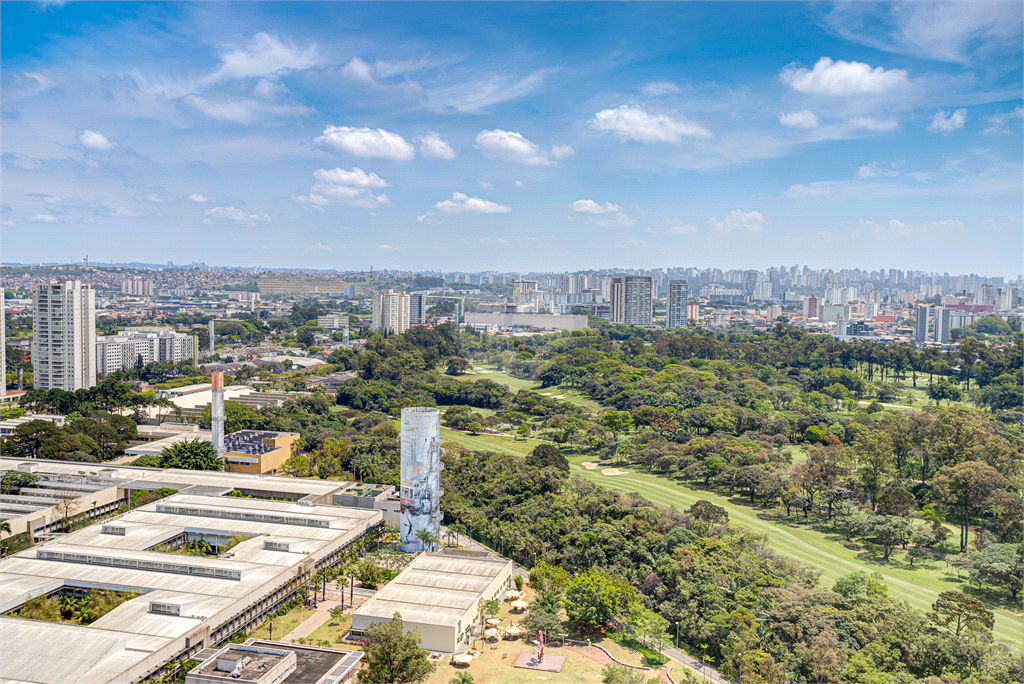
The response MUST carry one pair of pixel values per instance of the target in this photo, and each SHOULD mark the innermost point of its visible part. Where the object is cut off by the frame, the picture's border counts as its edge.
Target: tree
(192, 454)
(540, 621)
(523, 432)
(427, 538)
(13, 480)
(329, 459)
(896, 501)
(595, 597)
(547, 456)
(29, 438)
(965, 487)
(617, 421)
(706, 515)
(237, 417)
(957, 611)
(457, 365)
(475, 428)
(889, 530)
(461, 678)
(875, 457)
(392, 655)
(1001, 565)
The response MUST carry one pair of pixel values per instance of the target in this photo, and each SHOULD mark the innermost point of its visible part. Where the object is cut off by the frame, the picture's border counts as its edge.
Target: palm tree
(5, 526)
(461, 678)
(458, 528)
(427, 538)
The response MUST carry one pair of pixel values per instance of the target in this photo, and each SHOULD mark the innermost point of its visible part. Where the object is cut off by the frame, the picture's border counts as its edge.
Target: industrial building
(257, 451)
(259, 661)
(185, 603)
(440, 595)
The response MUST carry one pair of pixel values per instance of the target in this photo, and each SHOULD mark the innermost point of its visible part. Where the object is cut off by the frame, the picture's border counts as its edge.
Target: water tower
(421, 476)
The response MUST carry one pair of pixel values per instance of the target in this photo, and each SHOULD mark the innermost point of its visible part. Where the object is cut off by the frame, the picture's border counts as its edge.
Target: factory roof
(435, 589)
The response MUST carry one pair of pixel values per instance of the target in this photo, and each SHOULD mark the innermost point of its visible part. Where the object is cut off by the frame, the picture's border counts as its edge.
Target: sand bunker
(559, 396)
(614, 471)
(590, 466)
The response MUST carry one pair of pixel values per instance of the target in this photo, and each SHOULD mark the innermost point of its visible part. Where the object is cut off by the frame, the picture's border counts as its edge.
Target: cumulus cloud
(877, 125)
(842, 78)
(801, 119)
(366, 142)
(319, 247)
(751, 221)
(44, 218)
(94, 140)
(592, 207)
(358, 70)
(461, 203)
(947, 123)
(633, 123)
(122, 212)
(197, 198)
(680, 229)
(431, 145)
(810, 190)
(513, 147)
(354, 188)
(388, 248)
(265, 55)
(485, 185)
(659, 88)
(1000, 122)
(498, 242)
(631, 242)
(235, 214)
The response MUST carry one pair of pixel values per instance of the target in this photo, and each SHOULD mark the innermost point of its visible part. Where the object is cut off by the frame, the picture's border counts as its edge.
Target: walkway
(317, 617)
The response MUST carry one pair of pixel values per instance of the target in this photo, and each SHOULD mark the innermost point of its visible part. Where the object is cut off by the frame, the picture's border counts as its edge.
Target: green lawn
(516, 384)
(496, 443)
(919, 585)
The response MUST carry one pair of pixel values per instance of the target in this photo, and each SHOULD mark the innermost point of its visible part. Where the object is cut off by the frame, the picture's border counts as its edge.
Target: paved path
(317, 617)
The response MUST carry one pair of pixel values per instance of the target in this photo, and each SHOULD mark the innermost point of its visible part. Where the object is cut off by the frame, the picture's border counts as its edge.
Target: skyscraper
(390, 312)
(940, 325)
(633, 300)
(678, 297)
(63, 335)
(921, 334)
(417, 309)
(811, 306)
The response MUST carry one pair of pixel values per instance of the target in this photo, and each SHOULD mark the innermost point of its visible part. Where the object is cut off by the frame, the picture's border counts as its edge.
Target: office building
(633, 301)
(63, 335)
(440, 595)
(921, 323)
(390, 312)
(417, 309)
(940, 325)
(677, 301)
(128, 349)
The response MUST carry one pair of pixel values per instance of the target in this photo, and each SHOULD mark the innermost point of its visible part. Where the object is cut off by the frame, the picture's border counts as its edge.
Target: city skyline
(514, 138)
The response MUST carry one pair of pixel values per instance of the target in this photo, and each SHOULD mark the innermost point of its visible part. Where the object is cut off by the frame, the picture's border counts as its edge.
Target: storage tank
(421, 476)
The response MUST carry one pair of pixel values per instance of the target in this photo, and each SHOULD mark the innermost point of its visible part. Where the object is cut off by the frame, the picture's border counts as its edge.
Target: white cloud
(264, 56)
(498, 242)
(1000, 122)
(197, 198)
(843, 78)
(460, 203)
(240, 109)
(592, 207)
(431, 145)
(519, 184)
(633, 123)
(680, 229)
(947, 123)
(751, 221)
(366, 142)
(270, 90)
(801, 119)
(811, 190)
(353, 188)
(658, 88)
(513, 147)
(631, 242)
(95, 140)
(878, 125)
(388, 248)
(235, 214)
(472, 96)
(319, 247)
(485, 185)
(44, 218)
(122, 212)
(358, 70)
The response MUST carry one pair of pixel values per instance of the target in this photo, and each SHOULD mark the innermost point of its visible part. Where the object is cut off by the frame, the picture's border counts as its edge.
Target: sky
(514, 136)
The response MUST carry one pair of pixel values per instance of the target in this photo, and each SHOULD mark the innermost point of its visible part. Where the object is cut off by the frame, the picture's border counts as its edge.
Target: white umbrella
(520, 605)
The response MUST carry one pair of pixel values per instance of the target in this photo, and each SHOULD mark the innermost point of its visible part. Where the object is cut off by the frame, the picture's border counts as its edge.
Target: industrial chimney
(217, 412)
(420, 476)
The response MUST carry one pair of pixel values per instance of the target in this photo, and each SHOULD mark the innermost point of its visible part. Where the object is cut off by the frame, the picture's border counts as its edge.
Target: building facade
(921, 321)
(63, 335)
(420, 476)
(117, 352)
(417, 309)
(678, 298)
(633, 300)
(390, 312)
(940, 325)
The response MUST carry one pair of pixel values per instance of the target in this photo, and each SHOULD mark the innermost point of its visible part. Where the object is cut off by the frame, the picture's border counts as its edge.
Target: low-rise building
(257, 451)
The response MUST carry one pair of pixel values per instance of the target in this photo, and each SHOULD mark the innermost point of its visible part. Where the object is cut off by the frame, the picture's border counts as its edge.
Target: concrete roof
(435, 589)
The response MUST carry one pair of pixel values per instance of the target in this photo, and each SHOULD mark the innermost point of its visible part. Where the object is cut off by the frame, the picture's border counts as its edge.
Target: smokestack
(217, 412)
(212, 335)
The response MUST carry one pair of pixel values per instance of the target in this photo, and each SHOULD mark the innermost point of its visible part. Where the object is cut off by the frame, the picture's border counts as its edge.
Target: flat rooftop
(313, 664)
(435, 589)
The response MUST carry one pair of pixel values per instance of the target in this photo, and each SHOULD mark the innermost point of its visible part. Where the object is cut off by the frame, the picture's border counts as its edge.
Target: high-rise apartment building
(63, 335)
(921, 316)
(1006, 298)
(3, 346)
(986, 294)
(417, 309)
(678, 298)
(811, 306)
(137, 286)
(126, 349)
(762, 291)
(940, 325)
(390, 312)
(633, 300)
(693, 312)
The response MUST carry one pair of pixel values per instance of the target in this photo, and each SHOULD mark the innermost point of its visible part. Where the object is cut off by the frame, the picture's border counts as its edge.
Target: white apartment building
(762, 291)
(63, 335)
(332, 321)
(390, 312)
(137, 286)
(115, 352)
(633, 300)
(678, 298)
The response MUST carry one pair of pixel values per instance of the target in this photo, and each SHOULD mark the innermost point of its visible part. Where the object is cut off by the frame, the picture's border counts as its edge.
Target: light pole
(677, 635)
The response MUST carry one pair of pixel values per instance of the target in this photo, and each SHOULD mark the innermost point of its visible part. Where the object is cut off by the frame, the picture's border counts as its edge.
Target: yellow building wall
(281, 451)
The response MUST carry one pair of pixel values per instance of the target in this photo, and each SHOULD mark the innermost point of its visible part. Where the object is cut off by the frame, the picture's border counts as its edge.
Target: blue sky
(515, 137)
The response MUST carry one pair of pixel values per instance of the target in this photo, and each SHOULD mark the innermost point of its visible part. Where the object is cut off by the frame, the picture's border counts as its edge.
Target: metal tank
(421, 476)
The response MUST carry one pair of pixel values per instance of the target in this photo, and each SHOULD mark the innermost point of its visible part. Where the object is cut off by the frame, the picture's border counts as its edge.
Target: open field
(515, 384)
(919, 585)
(495, 443)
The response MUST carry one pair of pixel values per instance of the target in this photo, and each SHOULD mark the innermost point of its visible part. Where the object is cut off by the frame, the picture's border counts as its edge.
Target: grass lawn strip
(919, 586)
